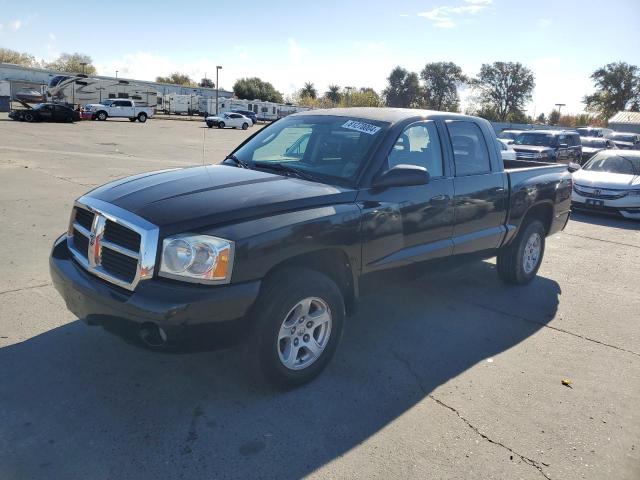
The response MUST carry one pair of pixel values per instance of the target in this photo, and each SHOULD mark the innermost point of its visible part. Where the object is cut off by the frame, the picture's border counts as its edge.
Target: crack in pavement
(40, 170)
(601, 240)
(557, 329)
(529, 461)
(25, 288)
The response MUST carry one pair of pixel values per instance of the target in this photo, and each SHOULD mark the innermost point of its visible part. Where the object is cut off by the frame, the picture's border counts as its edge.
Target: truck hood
(198, 197)
(591, 150)
(530, 148)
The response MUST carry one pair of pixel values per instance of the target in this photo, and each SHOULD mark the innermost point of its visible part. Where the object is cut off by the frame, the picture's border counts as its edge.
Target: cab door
(46, 113)
(125, 109)
(403, 225)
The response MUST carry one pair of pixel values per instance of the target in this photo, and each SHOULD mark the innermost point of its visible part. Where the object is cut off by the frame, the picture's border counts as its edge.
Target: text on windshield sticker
(361, 127)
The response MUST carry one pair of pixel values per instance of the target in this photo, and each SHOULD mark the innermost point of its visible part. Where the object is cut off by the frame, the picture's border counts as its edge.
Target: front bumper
(628, 207)
(183, 311)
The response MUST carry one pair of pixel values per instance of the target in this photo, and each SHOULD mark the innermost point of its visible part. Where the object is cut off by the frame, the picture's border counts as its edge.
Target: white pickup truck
(117, 108)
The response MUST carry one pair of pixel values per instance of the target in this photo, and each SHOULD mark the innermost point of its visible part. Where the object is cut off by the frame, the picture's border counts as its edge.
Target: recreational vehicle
(82, 90)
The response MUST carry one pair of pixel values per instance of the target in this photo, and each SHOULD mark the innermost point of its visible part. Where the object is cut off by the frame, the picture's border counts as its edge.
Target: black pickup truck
(276, 241)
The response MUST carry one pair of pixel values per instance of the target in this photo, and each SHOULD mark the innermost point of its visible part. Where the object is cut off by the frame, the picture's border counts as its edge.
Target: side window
(419, 145)
(126, 104)
(470, 152)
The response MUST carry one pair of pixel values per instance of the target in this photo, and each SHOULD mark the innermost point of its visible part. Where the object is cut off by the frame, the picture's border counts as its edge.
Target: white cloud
(443, 17)
(543, 23)
(15, 25)
(557, 82)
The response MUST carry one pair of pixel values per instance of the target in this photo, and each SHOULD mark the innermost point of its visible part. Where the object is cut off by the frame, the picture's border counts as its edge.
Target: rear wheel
(220, 124)
(299, 320)
(245, 126)
(142, 117)
(518, 263)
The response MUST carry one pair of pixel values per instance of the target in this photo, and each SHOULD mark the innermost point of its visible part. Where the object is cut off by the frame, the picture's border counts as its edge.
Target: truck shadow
(595, 218)
(79, 403)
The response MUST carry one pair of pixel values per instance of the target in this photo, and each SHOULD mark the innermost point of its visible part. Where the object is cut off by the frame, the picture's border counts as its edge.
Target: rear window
(470, 152)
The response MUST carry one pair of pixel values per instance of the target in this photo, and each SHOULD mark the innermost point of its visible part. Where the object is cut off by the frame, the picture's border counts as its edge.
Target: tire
(519, 262)
(291, 302)
(142, 117)
(102, 116)
(210, 124)
(245, 125)
(29, 117)
(220, 124)
(132, 119)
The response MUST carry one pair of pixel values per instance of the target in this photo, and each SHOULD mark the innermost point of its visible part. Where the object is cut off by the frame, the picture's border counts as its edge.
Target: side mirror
(573, 167)
(403, 176)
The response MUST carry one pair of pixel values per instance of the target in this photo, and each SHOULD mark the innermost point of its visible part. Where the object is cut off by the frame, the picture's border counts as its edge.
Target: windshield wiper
(236, 160)
(287, 170)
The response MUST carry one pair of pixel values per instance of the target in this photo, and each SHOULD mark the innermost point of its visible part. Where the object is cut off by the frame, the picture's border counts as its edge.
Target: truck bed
(511, 165)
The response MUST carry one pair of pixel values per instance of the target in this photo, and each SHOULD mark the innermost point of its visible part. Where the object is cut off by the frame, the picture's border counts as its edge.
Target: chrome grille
(520, 155)
(112, 243)
(601, 193)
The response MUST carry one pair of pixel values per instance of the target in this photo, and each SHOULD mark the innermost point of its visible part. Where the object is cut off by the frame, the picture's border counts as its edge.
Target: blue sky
(347, 43)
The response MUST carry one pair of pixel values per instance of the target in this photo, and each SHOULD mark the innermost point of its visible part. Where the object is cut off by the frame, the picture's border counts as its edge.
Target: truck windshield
(107, 103)
(612, 163)
(537, 139)
(332, 149)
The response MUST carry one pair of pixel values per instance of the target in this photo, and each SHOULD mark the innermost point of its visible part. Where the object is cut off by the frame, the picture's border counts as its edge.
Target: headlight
(197, 258)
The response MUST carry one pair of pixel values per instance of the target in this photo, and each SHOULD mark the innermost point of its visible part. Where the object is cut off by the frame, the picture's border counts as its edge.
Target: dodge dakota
(276, 240)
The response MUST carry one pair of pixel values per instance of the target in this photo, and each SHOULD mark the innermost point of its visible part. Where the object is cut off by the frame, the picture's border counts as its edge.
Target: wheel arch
(542, 211)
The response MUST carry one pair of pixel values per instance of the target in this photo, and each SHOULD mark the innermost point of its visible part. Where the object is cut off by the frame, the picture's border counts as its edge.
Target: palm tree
(333, 94)
(309, 91)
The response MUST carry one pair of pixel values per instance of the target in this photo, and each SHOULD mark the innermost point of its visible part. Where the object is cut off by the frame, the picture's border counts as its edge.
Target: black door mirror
(403, 176)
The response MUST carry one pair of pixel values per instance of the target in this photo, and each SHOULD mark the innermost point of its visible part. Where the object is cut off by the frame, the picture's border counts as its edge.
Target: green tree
(504, 88)
(72, 63)
(554, 117)
(541, 118)
(309, 90)
(440, 86)
(363, 97)
(333, 94)
(617, 88)
(19, 58)
(207, 82)
(177, 78)
(255, 89)
(403, 89)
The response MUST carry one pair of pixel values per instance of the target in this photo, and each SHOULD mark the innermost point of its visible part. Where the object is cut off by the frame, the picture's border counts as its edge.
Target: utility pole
(84, 64)
(218, 67)
(560, 105)
(116, 73)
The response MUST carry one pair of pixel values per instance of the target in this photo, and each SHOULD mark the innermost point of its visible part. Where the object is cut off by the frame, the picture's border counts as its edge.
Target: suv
(594, 132)
(560, 146)
(248, 114)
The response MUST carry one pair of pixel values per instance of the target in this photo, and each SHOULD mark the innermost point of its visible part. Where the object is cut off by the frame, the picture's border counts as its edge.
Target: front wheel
(210, 124)
(519, 262)
(298, 324)
(102, 116)
(29, 117)
(220, 124)
(142, 117)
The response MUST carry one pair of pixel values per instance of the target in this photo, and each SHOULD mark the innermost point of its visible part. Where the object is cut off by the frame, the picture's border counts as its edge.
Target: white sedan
(229, 119)
(506, 150)
(609, 182)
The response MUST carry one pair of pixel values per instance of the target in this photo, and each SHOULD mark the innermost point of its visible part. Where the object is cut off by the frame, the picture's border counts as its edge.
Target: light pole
(560, 105)
(84, 64)
(218, 67)
(116, 73)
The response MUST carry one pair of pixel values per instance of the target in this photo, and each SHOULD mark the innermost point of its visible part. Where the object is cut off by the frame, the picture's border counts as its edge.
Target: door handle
(439, 199)
(497, 190)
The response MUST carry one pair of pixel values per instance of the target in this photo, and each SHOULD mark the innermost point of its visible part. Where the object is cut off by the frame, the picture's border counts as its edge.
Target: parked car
(229, 119)
(118, 108)
(626, 141)
(45, 112)
(592, 145)
(609, 183)
(278, 249)
(248, 114)
(506, 150)
(559, 146)
(508, 136)
(594, 132)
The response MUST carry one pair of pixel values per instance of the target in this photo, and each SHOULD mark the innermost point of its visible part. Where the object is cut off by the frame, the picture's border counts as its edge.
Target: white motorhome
(179, 104)
(208, 105)
(82, 90)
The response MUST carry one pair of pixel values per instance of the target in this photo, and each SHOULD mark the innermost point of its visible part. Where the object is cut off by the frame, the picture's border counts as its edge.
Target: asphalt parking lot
(452, 375)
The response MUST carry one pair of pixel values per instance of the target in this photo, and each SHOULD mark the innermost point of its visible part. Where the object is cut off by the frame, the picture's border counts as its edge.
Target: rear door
(480, 189)
(126, 109)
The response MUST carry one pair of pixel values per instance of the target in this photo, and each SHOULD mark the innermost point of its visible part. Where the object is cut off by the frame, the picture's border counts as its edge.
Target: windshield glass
(587, 132)
(331, 148)
(623, 138)
(107, 103)
(508, 135)
(594, 143)
(537, 139)
(612, 163)
(38, 106)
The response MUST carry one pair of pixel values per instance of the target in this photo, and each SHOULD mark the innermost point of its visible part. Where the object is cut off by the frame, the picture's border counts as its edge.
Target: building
(30, 81)
(625, 122)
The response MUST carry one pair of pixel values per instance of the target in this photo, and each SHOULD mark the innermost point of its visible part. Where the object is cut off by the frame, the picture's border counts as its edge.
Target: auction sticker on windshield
(361, 127)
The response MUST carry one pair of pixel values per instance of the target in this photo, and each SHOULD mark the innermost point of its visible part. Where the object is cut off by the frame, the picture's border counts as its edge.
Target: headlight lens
(197, 258)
